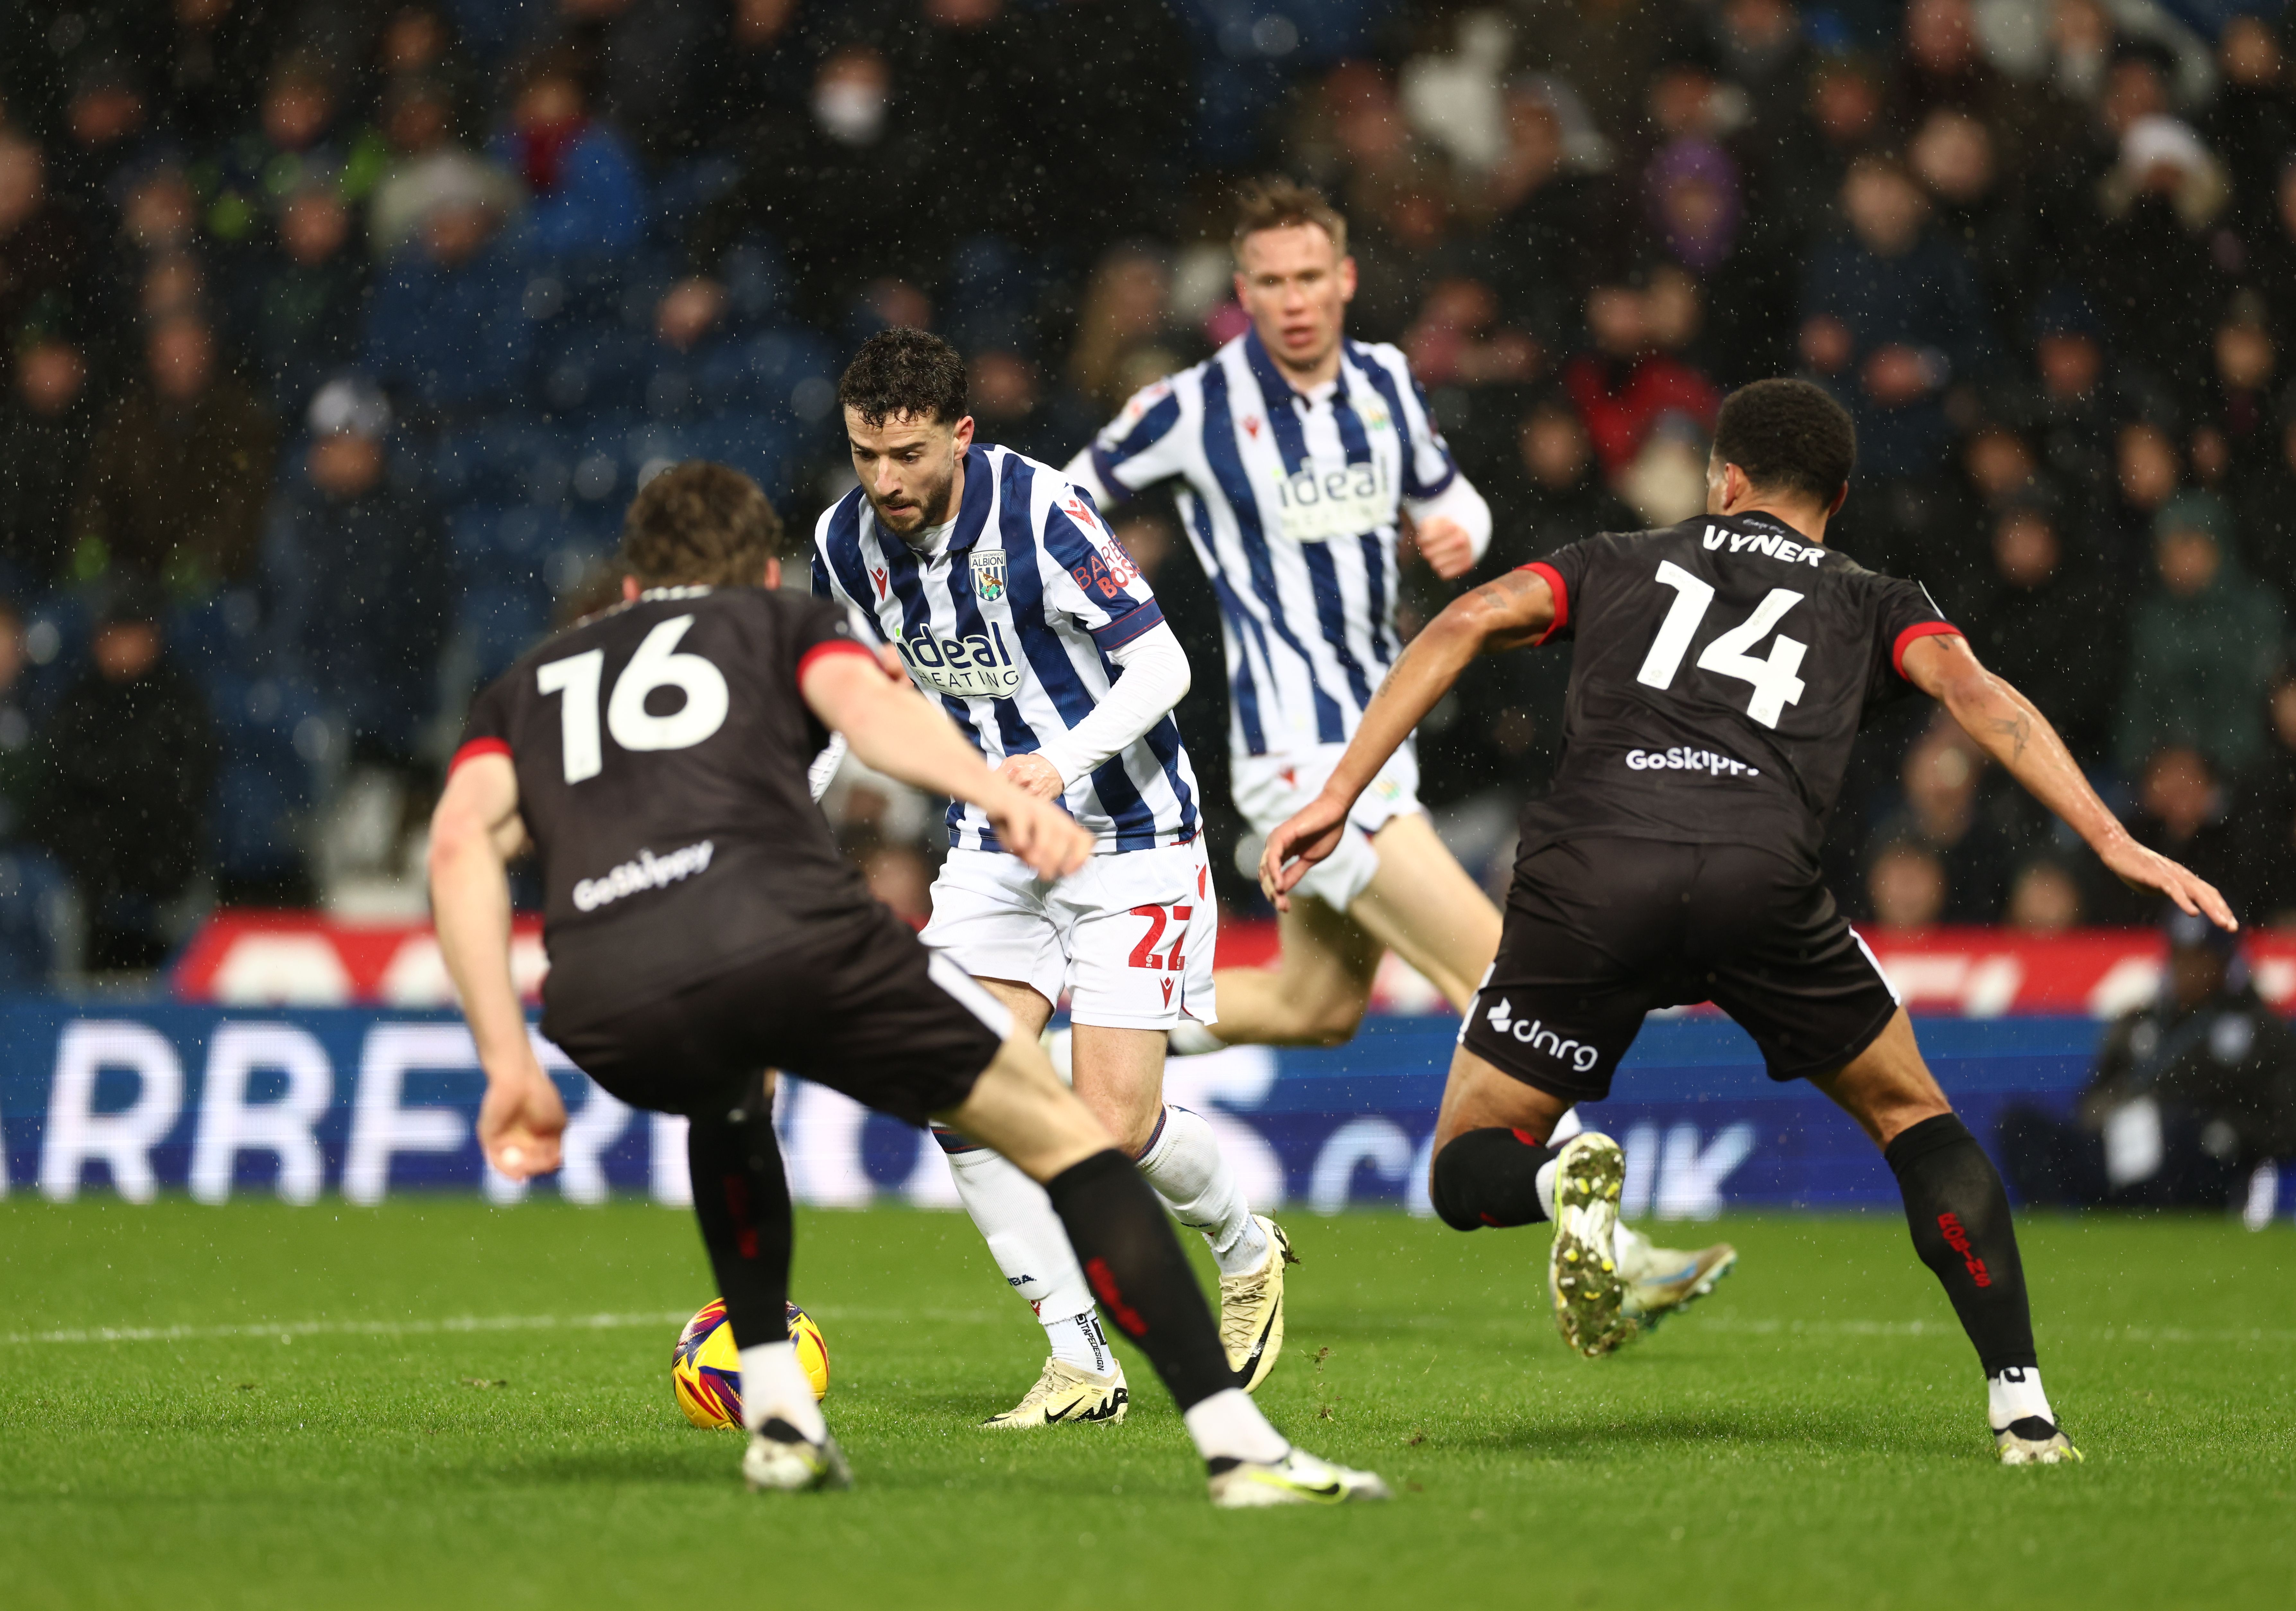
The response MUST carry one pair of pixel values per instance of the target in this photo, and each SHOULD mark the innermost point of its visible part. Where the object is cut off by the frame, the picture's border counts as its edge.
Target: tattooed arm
(2007, 727)
(1516, 609)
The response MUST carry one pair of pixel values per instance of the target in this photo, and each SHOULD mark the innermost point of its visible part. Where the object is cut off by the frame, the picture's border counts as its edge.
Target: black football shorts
(1601, 930)
(861, 1007)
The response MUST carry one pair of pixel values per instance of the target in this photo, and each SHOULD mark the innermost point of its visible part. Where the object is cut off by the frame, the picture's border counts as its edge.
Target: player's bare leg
(1134, 1261)
(1419, 904)
(1119, 1075)
(1422, 906)
(1493, 1166)
(1082, 1382)
(1316, 994)
(1959, 1214)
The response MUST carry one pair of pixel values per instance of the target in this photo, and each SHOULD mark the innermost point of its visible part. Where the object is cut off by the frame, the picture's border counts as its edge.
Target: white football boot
(1067, 1393)
(1582, 1267)
(2034, 1442)
(1298, 1478)
(783, 1459)
(1251, 1311)
(1661, 1280)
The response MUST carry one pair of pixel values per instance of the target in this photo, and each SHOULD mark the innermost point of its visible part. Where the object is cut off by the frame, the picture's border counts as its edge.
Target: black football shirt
(1720, 671)
(661, 749)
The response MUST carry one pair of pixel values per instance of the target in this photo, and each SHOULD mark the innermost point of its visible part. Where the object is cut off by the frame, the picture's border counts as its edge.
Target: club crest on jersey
(988, 574)
(979, 667)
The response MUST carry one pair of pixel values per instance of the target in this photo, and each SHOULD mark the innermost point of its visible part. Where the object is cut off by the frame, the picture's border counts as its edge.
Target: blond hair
(1276, 202)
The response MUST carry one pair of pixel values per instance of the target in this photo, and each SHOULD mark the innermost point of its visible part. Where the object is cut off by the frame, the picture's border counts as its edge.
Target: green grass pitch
(309, 1426)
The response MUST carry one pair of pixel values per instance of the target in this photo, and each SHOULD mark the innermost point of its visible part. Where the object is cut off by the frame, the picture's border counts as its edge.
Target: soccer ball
(705, 1369)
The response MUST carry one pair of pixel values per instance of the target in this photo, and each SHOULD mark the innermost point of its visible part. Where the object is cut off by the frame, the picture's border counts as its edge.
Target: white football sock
(1060, 1050)
(1185, 1165)
(1543, 1183)
(1229, 1425)
(2014, 1394)
(1190, 1038)
(1079, 1341)
(774, 1384)
(1024, 1235)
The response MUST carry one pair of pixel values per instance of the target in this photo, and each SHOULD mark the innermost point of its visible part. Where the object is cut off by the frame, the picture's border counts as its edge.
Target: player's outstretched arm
(1516, 609)
(2006, 723)
(892, 729)
(473, 833)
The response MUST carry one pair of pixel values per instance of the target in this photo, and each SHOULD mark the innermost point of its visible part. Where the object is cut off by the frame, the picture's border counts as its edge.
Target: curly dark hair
(1788, 435)
(701, 525)
(901, 371)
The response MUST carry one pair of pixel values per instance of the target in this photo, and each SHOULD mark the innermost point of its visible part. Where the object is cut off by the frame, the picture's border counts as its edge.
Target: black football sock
(1959, 1213)
(1133, 1262)
(1490, 1177)
(742, 1198)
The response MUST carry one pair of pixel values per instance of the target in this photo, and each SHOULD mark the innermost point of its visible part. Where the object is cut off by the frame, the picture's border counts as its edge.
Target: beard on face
(926, 507)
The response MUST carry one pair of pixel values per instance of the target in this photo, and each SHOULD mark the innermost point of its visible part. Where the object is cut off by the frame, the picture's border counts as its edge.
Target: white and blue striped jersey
(1009, 622)
(1291, 503)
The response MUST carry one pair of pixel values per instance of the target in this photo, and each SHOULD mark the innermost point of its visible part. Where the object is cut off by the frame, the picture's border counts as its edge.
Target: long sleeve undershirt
(1460, 502)
(1155, 678)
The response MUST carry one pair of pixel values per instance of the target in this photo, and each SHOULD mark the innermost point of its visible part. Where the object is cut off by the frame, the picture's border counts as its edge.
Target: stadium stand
(559, 245)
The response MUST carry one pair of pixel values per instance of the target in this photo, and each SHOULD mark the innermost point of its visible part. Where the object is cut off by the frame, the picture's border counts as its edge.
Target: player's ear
(1839, 499)
(773, 573)
(964, 434)
(631, 588)
(1347, 279)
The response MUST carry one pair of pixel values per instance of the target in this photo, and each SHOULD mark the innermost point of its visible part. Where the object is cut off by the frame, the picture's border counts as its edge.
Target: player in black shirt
(1720, 671)
(703, 928)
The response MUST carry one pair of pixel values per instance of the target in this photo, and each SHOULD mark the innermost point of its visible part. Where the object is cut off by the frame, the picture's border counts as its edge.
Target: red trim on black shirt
(1920, 629)
(1561, 591)
(835, 646)
(476, 748)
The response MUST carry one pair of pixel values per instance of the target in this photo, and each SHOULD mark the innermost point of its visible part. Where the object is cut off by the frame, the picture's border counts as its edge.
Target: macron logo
(1502, 1016)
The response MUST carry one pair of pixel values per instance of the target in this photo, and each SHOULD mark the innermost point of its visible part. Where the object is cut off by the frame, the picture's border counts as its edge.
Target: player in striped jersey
(1008, 600)
(1295, 454)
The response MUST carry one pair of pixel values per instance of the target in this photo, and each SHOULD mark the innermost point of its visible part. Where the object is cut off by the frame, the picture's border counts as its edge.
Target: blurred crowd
(334, 337)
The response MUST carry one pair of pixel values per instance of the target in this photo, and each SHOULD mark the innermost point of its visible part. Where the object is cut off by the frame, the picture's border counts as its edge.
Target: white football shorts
(1269, 788)
(1130, 935)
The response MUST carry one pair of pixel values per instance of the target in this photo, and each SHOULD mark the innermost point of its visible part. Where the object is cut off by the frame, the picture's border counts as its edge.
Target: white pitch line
(2142, 1335)
(287, 1330)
